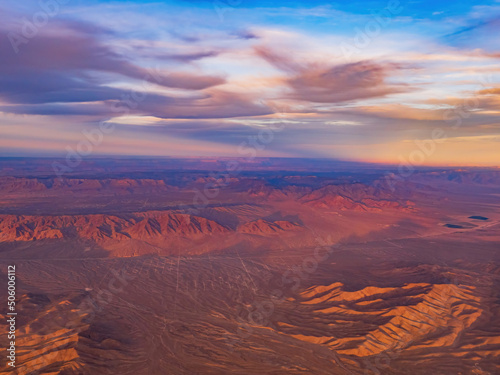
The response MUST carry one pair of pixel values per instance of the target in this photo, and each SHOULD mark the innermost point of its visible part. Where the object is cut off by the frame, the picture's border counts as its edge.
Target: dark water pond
(478, 217)
(453, 226)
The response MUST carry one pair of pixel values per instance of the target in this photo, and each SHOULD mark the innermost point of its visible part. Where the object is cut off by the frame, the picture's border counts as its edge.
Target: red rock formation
(262, 226)
(102, 227)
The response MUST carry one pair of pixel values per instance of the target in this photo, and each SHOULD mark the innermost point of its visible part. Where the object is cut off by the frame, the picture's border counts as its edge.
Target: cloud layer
(210, 79)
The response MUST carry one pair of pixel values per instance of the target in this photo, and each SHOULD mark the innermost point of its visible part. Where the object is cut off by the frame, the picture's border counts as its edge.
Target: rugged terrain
(264, 271)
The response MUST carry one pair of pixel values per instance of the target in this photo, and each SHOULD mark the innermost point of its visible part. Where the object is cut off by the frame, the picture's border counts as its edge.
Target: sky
(379, 81)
